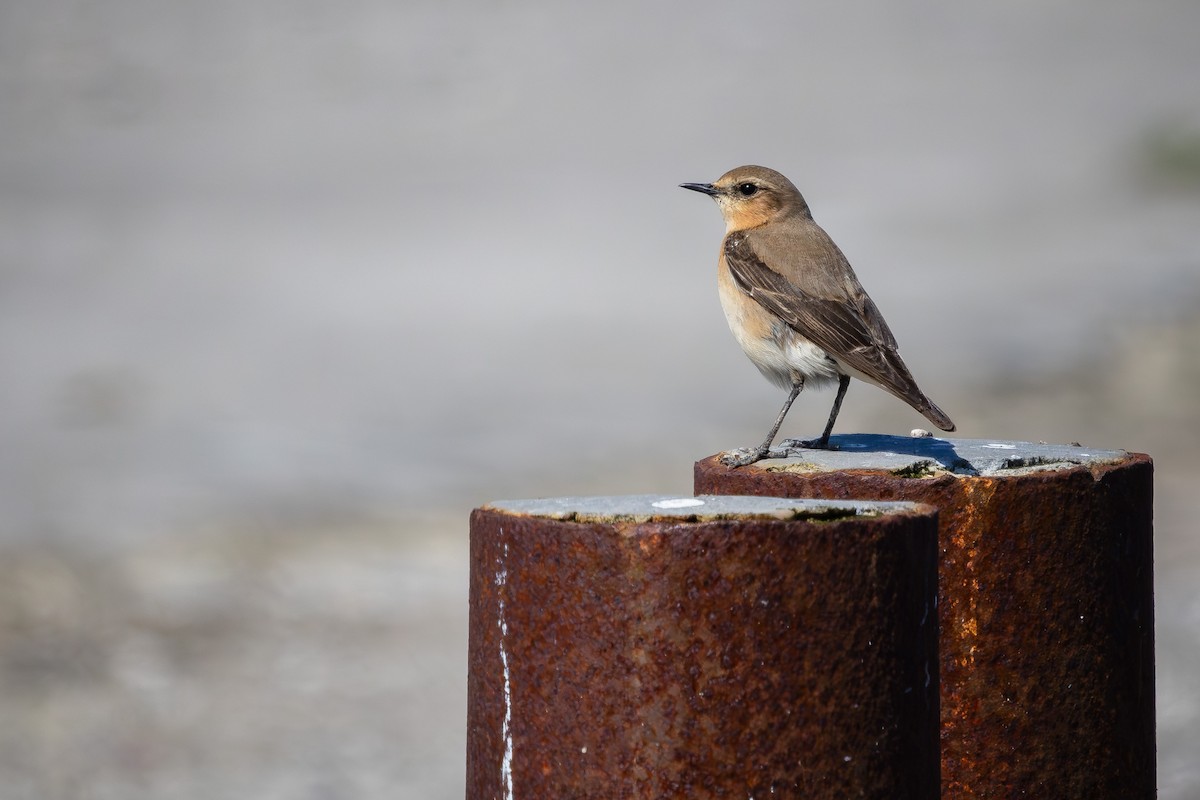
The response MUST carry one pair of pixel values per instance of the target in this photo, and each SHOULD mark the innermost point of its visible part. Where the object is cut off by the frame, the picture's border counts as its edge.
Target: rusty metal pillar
(1045, 601)
(658, 647)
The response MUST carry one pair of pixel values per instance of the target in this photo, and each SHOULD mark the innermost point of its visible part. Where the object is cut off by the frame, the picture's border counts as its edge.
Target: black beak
(703, 188)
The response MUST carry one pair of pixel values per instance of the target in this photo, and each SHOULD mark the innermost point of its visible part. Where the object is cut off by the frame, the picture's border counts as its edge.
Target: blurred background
(287, 288)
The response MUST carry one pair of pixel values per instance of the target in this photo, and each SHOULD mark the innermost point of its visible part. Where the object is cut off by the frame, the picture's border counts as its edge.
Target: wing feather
(848, 327)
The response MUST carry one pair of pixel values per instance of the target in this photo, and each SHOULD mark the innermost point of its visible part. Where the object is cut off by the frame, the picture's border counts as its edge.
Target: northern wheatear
(795, 305)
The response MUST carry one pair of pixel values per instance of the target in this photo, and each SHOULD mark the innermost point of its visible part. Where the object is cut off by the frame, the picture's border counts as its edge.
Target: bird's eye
(747, 189)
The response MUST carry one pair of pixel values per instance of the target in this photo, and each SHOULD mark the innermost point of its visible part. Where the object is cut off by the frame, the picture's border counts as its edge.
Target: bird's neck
(747, 219)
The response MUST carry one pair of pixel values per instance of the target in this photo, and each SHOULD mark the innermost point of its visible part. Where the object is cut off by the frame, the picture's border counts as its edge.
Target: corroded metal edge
(704, 508)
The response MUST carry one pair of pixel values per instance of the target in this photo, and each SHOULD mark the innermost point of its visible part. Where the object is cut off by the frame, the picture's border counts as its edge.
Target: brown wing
(849, 327)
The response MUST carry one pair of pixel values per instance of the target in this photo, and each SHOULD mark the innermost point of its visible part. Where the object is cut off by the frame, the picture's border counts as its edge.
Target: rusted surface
(703, 658)
(1046, 613)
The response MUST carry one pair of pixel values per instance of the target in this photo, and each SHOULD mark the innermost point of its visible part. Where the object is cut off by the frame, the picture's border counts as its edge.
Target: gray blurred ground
(286, 289)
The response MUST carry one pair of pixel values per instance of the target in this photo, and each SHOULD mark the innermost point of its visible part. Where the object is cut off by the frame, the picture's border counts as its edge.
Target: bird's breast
(780, 353)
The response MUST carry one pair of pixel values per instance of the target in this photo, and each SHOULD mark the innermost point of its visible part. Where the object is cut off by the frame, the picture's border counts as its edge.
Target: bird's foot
(745, 455)
(791, 445)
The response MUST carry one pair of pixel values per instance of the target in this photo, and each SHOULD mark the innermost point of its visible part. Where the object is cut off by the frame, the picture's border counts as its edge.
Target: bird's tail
(934, 414)
(893, 376)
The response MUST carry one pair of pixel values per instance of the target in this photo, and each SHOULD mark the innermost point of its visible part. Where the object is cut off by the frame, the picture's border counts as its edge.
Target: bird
(795, 305)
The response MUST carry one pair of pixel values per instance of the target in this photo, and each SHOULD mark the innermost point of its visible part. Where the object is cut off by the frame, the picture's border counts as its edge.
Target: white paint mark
(1000, 446)
(506, 729)
(920, 433)
(679, 502)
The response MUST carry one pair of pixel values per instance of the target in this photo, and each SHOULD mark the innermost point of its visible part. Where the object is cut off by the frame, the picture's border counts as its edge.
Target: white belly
(779, 352)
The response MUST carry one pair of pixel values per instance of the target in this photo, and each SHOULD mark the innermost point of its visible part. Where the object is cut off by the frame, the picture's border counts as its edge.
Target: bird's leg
(823, 442)
(764, 449)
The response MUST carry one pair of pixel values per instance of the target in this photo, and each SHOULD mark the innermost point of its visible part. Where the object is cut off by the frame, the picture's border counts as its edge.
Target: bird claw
(744, 456)
(788, 448)
(791, 445)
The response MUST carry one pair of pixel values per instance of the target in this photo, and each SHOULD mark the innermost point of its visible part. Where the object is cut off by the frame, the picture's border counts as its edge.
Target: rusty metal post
(656, 647)
(1045, 601)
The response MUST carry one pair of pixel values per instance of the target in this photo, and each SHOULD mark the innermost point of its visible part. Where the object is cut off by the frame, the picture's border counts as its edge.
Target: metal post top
(704, 508)
(930, 455)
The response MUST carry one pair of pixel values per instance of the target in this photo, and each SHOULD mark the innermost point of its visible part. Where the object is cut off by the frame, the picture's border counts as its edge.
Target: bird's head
(751, 196)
